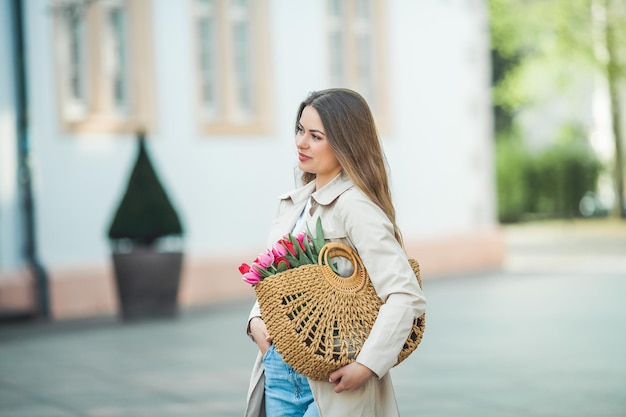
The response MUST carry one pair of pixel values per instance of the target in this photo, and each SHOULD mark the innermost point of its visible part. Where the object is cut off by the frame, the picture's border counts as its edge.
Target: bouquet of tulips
(289, 252)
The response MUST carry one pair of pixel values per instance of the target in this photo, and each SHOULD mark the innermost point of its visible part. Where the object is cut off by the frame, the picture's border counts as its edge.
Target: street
(536, 338)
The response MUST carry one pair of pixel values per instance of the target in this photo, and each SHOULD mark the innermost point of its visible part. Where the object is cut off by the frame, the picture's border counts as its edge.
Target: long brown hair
(351, 134)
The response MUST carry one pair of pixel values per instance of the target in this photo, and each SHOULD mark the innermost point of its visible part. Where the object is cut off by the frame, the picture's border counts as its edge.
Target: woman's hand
(259, 334)
(350, 377)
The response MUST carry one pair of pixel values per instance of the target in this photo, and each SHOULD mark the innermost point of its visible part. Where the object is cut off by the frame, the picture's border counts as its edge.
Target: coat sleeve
(370, 231)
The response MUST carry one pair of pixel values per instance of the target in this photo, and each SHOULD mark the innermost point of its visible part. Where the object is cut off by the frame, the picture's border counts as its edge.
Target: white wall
(440, 150)
(77, 179)
(439, 144)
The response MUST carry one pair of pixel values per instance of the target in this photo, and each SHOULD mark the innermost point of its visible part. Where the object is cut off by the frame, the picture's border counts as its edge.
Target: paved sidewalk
(542, 337)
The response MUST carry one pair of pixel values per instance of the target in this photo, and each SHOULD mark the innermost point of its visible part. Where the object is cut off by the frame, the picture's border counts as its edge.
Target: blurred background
(490, 113)
(144, 144)
(558, 88)
(214, 86)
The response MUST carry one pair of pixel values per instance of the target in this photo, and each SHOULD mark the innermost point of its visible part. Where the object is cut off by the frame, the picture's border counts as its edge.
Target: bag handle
(353, 283)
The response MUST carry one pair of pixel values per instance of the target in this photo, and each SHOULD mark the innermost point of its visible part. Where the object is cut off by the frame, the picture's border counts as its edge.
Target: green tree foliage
(556, 38)
(509, 50)
(549, 183)
(512, 165)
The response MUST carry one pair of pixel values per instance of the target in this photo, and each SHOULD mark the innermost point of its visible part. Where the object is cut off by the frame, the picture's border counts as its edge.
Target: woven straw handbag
(319, 320)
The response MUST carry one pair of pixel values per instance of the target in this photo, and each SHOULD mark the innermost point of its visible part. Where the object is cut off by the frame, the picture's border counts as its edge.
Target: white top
(300, 222)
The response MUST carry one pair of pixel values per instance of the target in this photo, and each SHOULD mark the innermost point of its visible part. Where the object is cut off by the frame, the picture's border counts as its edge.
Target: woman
(345, 184)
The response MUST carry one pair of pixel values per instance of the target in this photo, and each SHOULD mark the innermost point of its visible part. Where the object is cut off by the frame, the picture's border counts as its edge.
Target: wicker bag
(319, 320)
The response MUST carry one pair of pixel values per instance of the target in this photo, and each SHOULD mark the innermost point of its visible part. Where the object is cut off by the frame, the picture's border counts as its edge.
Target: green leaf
(293, 261)
(318, 241)
(263, 272)
(308, 250)
(281, 267)
(303, 259)
(300, 254)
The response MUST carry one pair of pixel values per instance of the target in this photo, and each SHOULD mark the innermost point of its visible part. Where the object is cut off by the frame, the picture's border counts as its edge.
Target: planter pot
(147, 283)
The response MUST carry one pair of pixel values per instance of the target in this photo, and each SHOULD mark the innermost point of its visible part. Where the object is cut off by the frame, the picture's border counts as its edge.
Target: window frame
(98, 113)
(350, 26)
(228, 118)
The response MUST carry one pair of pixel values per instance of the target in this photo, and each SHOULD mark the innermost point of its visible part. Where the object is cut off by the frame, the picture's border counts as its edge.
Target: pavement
(543, 336)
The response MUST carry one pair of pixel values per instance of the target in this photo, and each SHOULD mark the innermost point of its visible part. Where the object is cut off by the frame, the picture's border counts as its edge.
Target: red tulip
(277, 262)
(244, 268)
(289, 246)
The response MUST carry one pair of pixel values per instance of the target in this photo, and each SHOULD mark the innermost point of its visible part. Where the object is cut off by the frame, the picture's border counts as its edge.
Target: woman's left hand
(350, 377)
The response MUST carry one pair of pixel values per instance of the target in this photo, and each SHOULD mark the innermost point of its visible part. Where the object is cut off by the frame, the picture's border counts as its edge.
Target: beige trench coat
(350, 217)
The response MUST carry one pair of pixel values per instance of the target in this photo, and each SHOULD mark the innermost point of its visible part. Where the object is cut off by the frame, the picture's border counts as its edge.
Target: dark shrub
(145, 213)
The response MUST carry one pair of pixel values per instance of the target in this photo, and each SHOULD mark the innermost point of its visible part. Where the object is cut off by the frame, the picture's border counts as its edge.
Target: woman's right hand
(259, 333)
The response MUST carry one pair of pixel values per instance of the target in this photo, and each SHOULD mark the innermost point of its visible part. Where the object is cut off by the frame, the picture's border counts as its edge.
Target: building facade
(216, 85)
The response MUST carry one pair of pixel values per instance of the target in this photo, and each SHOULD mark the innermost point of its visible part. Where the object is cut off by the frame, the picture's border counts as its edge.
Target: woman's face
(314, 153)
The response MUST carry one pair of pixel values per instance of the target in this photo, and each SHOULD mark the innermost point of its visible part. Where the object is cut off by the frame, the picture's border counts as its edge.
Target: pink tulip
(302, 240)
(251, 278)
(265, 259)
(278, 250)
(254, 269)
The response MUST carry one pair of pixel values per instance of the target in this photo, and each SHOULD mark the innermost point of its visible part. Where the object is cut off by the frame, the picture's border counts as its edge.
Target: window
(103, 61)
(116, 41)
(356, 61)
(337, 42)
(72, 52)
(208, 54)
(232, 65)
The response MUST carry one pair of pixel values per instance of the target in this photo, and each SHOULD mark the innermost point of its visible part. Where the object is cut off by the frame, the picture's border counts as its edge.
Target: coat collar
(325, 195)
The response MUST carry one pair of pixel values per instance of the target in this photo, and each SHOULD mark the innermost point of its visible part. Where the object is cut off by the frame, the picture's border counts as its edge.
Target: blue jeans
(287, 393)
